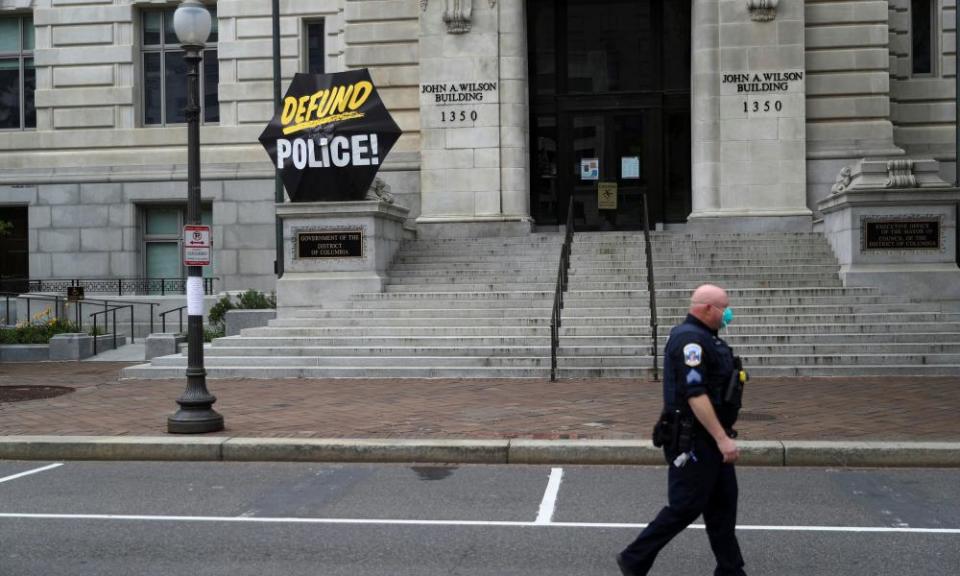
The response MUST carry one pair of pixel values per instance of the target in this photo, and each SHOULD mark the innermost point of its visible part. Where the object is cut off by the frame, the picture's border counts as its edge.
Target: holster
(674, 431)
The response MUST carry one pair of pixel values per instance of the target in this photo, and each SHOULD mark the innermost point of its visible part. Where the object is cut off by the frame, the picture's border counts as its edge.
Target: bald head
(707, 304)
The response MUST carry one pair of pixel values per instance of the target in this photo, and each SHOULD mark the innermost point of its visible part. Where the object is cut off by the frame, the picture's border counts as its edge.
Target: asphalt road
(261, 519)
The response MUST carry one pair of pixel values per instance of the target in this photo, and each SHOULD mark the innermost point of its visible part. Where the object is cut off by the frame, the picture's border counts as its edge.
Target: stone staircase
(481, 308)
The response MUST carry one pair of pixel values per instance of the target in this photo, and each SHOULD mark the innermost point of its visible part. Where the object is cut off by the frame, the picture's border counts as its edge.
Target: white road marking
(29, 472)
(549, 502)
(480, 523)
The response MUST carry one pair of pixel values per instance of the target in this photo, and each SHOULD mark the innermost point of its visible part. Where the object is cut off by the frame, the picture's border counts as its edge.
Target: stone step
(612, 266)
(815, 348)
(146, 371)
(637, 313)
(736, 294)
(761, 328)
(363, 350)
(415, 331)
(623, 322)
(689, 285)
(623, 273)
(845, 347)
(751, 360)
(387, 341)
(572, 304)
(778, 371)
(363, 361)
(577, 280)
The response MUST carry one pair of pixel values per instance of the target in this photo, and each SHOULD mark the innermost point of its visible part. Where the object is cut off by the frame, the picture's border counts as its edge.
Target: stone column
(514, 111)
(749, 111)
(705, 99)
(473, 119)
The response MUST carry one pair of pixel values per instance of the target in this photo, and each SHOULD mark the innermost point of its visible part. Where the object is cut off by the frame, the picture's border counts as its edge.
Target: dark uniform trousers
(706, 486)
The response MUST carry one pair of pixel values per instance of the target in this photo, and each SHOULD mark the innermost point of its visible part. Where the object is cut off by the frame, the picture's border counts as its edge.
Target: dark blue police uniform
(696, 361)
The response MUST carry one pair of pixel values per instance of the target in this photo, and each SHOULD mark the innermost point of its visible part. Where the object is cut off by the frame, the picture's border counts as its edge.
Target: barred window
(18, 77)
(164, 72)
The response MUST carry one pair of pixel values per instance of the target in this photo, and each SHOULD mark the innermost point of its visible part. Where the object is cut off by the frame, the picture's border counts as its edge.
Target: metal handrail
(563, 281)
(163, 318)
(114, 311)
(79, 308)
(651, 286)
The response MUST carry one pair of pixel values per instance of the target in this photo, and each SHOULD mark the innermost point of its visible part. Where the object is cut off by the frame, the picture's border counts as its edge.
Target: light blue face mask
(727, 317)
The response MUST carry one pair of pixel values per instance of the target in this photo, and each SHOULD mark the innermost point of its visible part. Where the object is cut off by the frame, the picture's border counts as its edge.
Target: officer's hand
(729, 450)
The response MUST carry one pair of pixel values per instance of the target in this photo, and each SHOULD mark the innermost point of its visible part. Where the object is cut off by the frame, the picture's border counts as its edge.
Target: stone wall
(90, 163)
(848, 89)
(923, 107)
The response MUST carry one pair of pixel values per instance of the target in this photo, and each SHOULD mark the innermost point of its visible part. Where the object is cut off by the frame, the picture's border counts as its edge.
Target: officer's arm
(703, 410)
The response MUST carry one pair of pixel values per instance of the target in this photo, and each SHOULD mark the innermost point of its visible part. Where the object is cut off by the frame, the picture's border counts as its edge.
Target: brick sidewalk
(776, 409)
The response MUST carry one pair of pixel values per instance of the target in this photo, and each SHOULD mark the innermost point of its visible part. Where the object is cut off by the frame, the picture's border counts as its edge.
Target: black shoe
(624, 569)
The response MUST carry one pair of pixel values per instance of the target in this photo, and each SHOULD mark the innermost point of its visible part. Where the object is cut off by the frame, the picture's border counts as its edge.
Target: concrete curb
(519, 451)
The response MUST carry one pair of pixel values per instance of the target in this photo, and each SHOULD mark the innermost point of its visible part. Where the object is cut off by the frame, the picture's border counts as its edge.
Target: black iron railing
(60, 306)
(651, 287)
(563, 280)
(163, 318)
(106, 311)
(118, 286)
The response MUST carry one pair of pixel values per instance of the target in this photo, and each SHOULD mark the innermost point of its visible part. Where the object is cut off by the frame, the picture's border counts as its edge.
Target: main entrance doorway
(610, 111)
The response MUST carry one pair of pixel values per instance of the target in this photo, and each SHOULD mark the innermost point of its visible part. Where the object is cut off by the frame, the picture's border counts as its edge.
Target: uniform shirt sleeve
(691, 357)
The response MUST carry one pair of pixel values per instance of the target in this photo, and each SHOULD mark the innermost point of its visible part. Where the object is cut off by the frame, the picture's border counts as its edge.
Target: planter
(24, 352)
(67, 346)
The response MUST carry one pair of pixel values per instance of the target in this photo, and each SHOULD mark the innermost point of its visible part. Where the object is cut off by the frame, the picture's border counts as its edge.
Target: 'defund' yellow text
(324, 106)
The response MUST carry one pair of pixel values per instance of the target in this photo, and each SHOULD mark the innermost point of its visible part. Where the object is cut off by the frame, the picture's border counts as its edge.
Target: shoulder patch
(692, 354)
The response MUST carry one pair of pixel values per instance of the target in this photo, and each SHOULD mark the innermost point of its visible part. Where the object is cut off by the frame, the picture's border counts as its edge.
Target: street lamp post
(191, 21)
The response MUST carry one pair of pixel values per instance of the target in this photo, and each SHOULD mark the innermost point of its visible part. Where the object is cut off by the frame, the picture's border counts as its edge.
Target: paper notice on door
(589, 168)
(630, 167)
(194, 296)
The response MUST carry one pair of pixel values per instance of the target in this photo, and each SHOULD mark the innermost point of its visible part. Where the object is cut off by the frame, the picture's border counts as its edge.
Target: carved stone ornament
(900, 174)
(380, 190)
(423, 5)
(762, 10)
(458, 15)
(843, 180)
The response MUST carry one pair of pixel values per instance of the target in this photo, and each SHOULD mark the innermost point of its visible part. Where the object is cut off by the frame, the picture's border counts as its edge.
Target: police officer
(701, 395)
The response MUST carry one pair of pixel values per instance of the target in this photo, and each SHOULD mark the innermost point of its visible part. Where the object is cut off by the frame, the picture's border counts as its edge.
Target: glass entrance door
(610, 111)
(611, 158)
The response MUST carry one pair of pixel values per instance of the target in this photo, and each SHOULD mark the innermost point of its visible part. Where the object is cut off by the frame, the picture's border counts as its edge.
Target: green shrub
(249, 300)
(218, 313)
(255, 300)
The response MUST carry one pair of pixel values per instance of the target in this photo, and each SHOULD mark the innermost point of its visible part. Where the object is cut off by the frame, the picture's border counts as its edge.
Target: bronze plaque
(607, 195)
(900, 234)
(74, 293)
(330, 244)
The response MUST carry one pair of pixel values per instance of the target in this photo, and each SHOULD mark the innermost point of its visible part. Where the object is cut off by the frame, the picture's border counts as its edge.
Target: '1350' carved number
(458, 116)
(765, 106)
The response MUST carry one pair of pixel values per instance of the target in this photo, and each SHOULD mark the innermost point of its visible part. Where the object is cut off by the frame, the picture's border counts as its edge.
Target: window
(165, 72)
(922, 26)
(162, 236)
(18, 77)
(314, 48)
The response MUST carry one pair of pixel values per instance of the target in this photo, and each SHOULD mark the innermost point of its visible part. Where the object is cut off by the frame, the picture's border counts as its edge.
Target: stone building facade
(727, 114)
